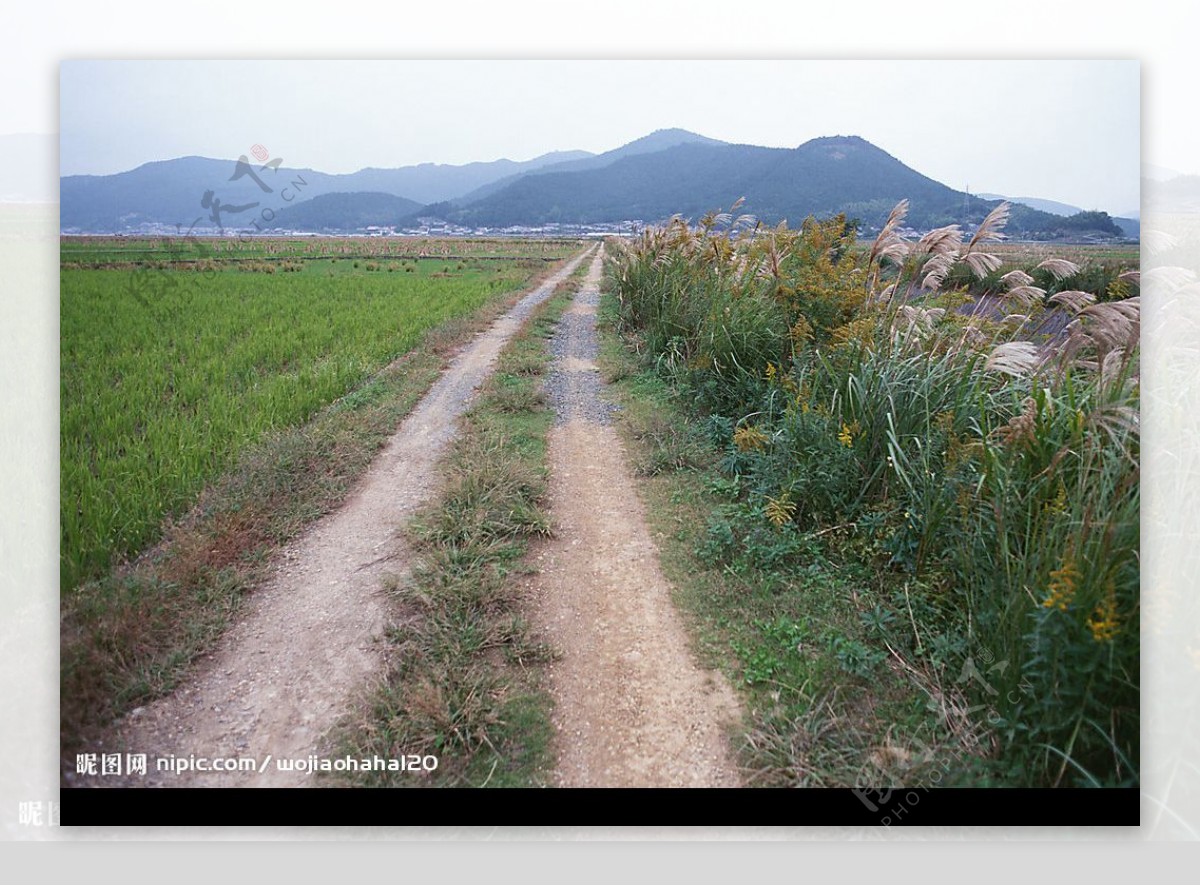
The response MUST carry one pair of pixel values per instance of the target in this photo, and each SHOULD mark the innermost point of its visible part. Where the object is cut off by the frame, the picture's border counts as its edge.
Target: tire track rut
(632, 707)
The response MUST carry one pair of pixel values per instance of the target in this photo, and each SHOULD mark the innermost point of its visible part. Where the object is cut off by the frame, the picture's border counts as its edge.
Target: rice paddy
(178, 355)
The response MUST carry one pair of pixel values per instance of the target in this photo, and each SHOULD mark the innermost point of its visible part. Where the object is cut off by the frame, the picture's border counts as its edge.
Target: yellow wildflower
(1059, 504)
(856, 332)
(1103, 622)
(1062, 586)
(1118, 289)
(846, 437)
(780, 510)
(749, 438)
(802, 332)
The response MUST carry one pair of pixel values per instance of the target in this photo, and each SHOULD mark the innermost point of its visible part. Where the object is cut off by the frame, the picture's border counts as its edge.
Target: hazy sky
(1064, 130)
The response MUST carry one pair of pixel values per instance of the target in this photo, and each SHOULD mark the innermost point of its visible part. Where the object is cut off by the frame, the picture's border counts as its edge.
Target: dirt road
(632, 708)
(307, 643)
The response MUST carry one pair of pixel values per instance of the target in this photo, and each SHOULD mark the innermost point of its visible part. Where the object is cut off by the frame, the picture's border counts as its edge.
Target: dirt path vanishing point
(632, 708)
(307, 641)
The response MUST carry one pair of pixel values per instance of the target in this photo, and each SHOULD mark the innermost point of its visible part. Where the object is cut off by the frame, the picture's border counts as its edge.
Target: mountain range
(668, 172)
(171, 192)
(1130, 223)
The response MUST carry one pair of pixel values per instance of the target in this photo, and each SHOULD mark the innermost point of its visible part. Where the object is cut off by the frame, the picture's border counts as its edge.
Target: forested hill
(820, 177)
(346, 212)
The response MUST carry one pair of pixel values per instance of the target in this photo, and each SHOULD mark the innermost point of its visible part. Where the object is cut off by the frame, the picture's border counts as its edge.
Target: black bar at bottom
(654, 807)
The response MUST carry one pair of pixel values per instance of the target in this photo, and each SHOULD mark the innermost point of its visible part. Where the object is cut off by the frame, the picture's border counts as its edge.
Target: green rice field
(177, 357)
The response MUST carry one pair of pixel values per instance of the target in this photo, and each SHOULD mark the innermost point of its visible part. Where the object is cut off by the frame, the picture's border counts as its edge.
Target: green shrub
(997, 474)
